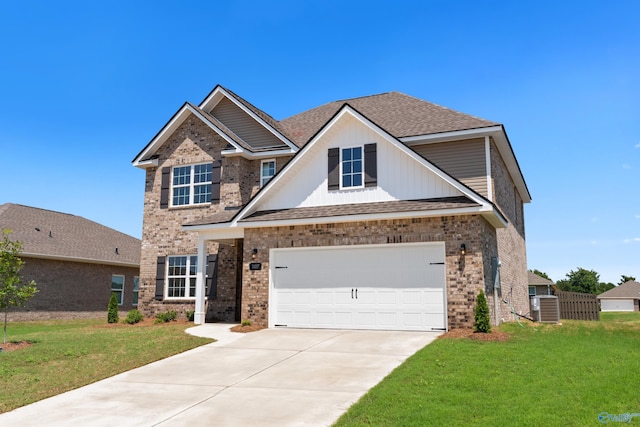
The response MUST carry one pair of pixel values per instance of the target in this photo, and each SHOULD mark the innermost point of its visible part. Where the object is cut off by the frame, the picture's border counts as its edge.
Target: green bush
(190, 315)
(112, 312)
(482, 321)
(167, 316)
(245, 322)
(133, 316)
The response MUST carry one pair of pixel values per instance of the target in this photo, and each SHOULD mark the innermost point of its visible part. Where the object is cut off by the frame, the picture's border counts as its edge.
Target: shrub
(190, 315)
(165, 317)
(112, 312)
(133, 316)
(482, 321)
(246, 322)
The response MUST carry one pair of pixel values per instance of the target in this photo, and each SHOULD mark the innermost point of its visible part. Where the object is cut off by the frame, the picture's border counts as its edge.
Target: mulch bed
(13, 346)
(249, 328)
(477, 336)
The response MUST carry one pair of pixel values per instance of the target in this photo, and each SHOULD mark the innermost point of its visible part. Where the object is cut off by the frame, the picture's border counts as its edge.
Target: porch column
(199, 315)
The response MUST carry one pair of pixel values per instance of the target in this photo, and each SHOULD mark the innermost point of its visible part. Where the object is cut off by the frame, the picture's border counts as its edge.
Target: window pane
(202, 193)
(176, 288)
(192, 287)
(117, 282)
(193, 265)
(118, 296)
(346, 167)
(346, 181)
(357, 180)
(180, 196)
(357, 166)
(136, 283)
(356, 153)
(202, 173)
(181, 175)
(346, 154)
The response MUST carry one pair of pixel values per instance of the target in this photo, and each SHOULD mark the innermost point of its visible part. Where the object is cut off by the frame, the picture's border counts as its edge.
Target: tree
(482, 321)
(604, 287)
(625, 279)
(541, 274)
(112, 313)
(14, 292)
(582, 280)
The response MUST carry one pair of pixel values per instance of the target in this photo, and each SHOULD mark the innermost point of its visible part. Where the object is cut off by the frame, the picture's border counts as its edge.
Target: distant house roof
(56, 235)
(534, 280)
(628, 290)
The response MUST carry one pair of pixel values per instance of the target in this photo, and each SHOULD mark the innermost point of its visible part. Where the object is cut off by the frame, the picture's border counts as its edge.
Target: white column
(487, 154)
(198, 317)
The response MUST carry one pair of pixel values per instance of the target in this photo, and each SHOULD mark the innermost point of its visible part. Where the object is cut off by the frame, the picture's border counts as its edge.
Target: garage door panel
(617, 305)
(397, 287)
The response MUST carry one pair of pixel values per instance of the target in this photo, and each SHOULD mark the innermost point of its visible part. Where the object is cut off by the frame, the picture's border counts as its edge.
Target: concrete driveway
(273, 377)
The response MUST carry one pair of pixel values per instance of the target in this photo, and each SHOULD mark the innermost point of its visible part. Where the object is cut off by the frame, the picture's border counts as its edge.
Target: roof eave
(80, 259)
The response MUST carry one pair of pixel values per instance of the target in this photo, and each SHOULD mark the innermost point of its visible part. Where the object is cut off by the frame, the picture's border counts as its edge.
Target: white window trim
(187, 278)
(118, 290)
(191, 185)
(353, 187)
(268, 178)
(135, 291)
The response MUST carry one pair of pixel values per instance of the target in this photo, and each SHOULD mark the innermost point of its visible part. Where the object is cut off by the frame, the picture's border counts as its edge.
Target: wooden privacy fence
(578, 306)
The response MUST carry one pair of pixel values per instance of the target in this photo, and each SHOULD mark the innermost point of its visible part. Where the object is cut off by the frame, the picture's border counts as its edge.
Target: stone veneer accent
(465, 275)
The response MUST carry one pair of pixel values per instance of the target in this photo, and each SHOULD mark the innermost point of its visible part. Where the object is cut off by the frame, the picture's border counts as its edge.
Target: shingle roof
(64, 236)
(534, 279)
(361, 208)
(399, 114)
(630, 289)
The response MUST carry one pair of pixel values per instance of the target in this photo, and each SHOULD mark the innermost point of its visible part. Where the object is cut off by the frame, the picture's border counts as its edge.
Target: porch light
(253, 253)
(463, 249)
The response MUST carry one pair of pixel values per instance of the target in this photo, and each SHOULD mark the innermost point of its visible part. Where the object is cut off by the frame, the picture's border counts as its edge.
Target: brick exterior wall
(511, 242)
(71, 289)
(162, 234)
(465, 275)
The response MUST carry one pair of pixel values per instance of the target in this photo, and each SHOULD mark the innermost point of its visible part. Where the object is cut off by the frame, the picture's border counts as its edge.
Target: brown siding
(72, 289)
(246, 128)
(464, 160)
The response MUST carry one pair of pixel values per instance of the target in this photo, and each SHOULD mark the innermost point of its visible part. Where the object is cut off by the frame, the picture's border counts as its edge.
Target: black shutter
(216, 170)
(334, 169)
(370, 165)
(164, 192)
(212, 277)
(160, 270)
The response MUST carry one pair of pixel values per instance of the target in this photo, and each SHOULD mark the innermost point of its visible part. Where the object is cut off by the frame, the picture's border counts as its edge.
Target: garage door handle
(356, 293)
(431, 263)
(281, 267)
(351, 293)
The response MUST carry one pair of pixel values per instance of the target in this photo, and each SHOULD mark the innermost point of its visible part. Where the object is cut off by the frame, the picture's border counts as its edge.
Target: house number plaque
(255, 266)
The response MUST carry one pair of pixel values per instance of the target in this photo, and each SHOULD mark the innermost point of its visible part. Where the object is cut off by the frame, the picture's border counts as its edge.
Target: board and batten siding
(399, 175)
(464, 160)
(250, 131)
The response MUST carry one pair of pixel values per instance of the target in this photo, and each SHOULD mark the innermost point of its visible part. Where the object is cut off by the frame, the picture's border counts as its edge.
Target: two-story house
(380, 212)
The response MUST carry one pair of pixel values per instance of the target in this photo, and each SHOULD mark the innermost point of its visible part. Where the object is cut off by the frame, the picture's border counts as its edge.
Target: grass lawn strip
(65, 355)
(543, 375)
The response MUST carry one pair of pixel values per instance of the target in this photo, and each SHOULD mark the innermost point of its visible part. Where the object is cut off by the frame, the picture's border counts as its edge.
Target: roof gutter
(79, 259)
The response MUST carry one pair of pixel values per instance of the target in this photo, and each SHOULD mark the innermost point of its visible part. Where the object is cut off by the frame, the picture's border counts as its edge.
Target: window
(267, 171)
(181, 276)
(117, 287)
(191, 185)
(136, 289)
(351, 163)
(532, 291)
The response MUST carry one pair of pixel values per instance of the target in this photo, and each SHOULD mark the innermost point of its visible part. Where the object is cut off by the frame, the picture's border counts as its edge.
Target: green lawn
(556, 375)
(69, 354)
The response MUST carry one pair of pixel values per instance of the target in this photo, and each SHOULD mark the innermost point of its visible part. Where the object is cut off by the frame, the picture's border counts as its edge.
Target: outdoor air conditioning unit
(545, 308)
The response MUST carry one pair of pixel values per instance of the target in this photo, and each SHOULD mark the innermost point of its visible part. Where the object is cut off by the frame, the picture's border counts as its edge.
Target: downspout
(495, 270)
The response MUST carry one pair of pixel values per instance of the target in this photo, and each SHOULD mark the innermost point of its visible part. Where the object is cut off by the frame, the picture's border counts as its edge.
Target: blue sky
(85, 85)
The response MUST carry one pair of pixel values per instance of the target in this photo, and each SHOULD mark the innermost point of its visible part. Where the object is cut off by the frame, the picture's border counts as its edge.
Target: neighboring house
(539, 285)
(76, 263)
(624, 297)
(380, 212)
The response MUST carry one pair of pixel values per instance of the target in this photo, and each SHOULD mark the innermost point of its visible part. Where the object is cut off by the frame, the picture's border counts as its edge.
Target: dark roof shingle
(64, 236)
(630, 289)
(399, 114)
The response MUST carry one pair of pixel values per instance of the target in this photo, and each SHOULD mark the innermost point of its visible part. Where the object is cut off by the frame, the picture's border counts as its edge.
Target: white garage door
(616, 304)
(392, 287)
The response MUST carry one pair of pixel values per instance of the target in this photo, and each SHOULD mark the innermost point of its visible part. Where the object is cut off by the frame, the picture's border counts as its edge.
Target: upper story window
(267, 171)
(351, 171)
(191, 185)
